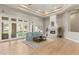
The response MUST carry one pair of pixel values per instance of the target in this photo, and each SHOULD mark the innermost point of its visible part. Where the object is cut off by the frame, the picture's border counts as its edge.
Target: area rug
(35, 45)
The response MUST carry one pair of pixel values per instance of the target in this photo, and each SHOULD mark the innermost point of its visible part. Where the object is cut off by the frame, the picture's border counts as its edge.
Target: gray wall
(74, 22)
(46, 22)
(59, 20)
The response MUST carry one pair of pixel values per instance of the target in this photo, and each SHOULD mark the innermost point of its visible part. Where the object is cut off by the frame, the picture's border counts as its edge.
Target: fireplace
(52, 32)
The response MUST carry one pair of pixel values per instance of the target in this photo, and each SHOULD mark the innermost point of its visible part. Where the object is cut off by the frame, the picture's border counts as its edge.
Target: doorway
(13, 34)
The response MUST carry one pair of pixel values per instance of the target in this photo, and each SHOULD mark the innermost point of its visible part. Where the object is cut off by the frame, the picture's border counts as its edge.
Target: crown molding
(44, 13)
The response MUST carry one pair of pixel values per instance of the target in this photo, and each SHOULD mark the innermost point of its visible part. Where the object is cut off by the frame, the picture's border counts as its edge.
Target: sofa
(35, 36)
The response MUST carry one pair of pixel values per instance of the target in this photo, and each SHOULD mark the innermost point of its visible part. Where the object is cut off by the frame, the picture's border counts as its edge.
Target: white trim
(72, 40)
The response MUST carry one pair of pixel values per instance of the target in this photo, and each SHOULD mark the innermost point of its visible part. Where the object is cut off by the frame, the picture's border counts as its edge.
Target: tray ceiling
(42, 10)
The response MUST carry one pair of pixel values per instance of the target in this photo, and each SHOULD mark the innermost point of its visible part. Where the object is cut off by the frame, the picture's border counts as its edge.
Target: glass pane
(5, 26)
(4, 18)
(5, 30)
(13, 19)
(25, 29)
(20, 29)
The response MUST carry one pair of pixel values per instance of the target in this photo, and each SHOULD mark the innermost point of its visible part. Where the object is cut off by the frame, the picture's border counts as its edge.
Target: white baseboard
(72, 40)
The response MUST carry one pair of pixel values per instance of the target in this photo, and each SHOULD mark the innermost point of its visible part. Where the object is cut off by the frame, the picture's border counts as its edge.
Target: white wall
(52, 28)
(13, 13)
(59, 20)
(47, 24)
(68, 34)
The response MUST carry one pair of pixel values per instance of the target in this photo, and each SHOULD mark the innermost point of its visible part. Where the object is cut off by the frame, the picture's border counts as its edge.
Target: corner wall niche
(74, 21)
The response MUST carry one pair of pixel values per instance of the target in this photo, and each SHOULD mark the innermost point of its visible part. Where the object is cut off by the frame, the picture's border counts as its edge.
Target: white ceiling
(40, 9)
(44, 7)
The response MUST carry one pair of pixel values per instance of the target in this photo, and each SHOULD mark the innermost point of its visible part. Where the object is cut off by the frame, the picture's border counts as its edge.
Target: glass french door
(13, 35)
(13, 28)
(25, 29)
(5, 28)
(20, 29)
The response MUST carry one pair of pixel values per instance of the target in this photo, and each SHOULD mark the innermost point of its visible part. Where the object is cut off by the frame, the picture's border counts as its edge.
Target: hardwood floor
(56, 47)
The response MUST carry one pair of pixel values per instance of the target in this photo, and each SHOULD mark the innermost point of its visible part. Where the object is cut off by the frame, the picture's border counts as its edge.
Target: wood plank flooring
(57, 47)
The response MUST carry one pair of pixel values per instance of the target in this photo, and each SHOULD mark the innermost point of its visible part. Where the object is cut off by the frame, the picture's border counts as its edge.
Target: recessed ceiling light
(24, 6)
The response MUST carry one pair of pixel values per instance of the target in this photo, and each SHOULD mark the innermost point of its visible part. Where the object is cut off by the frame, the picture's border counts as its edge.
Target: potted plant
(60, 32)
